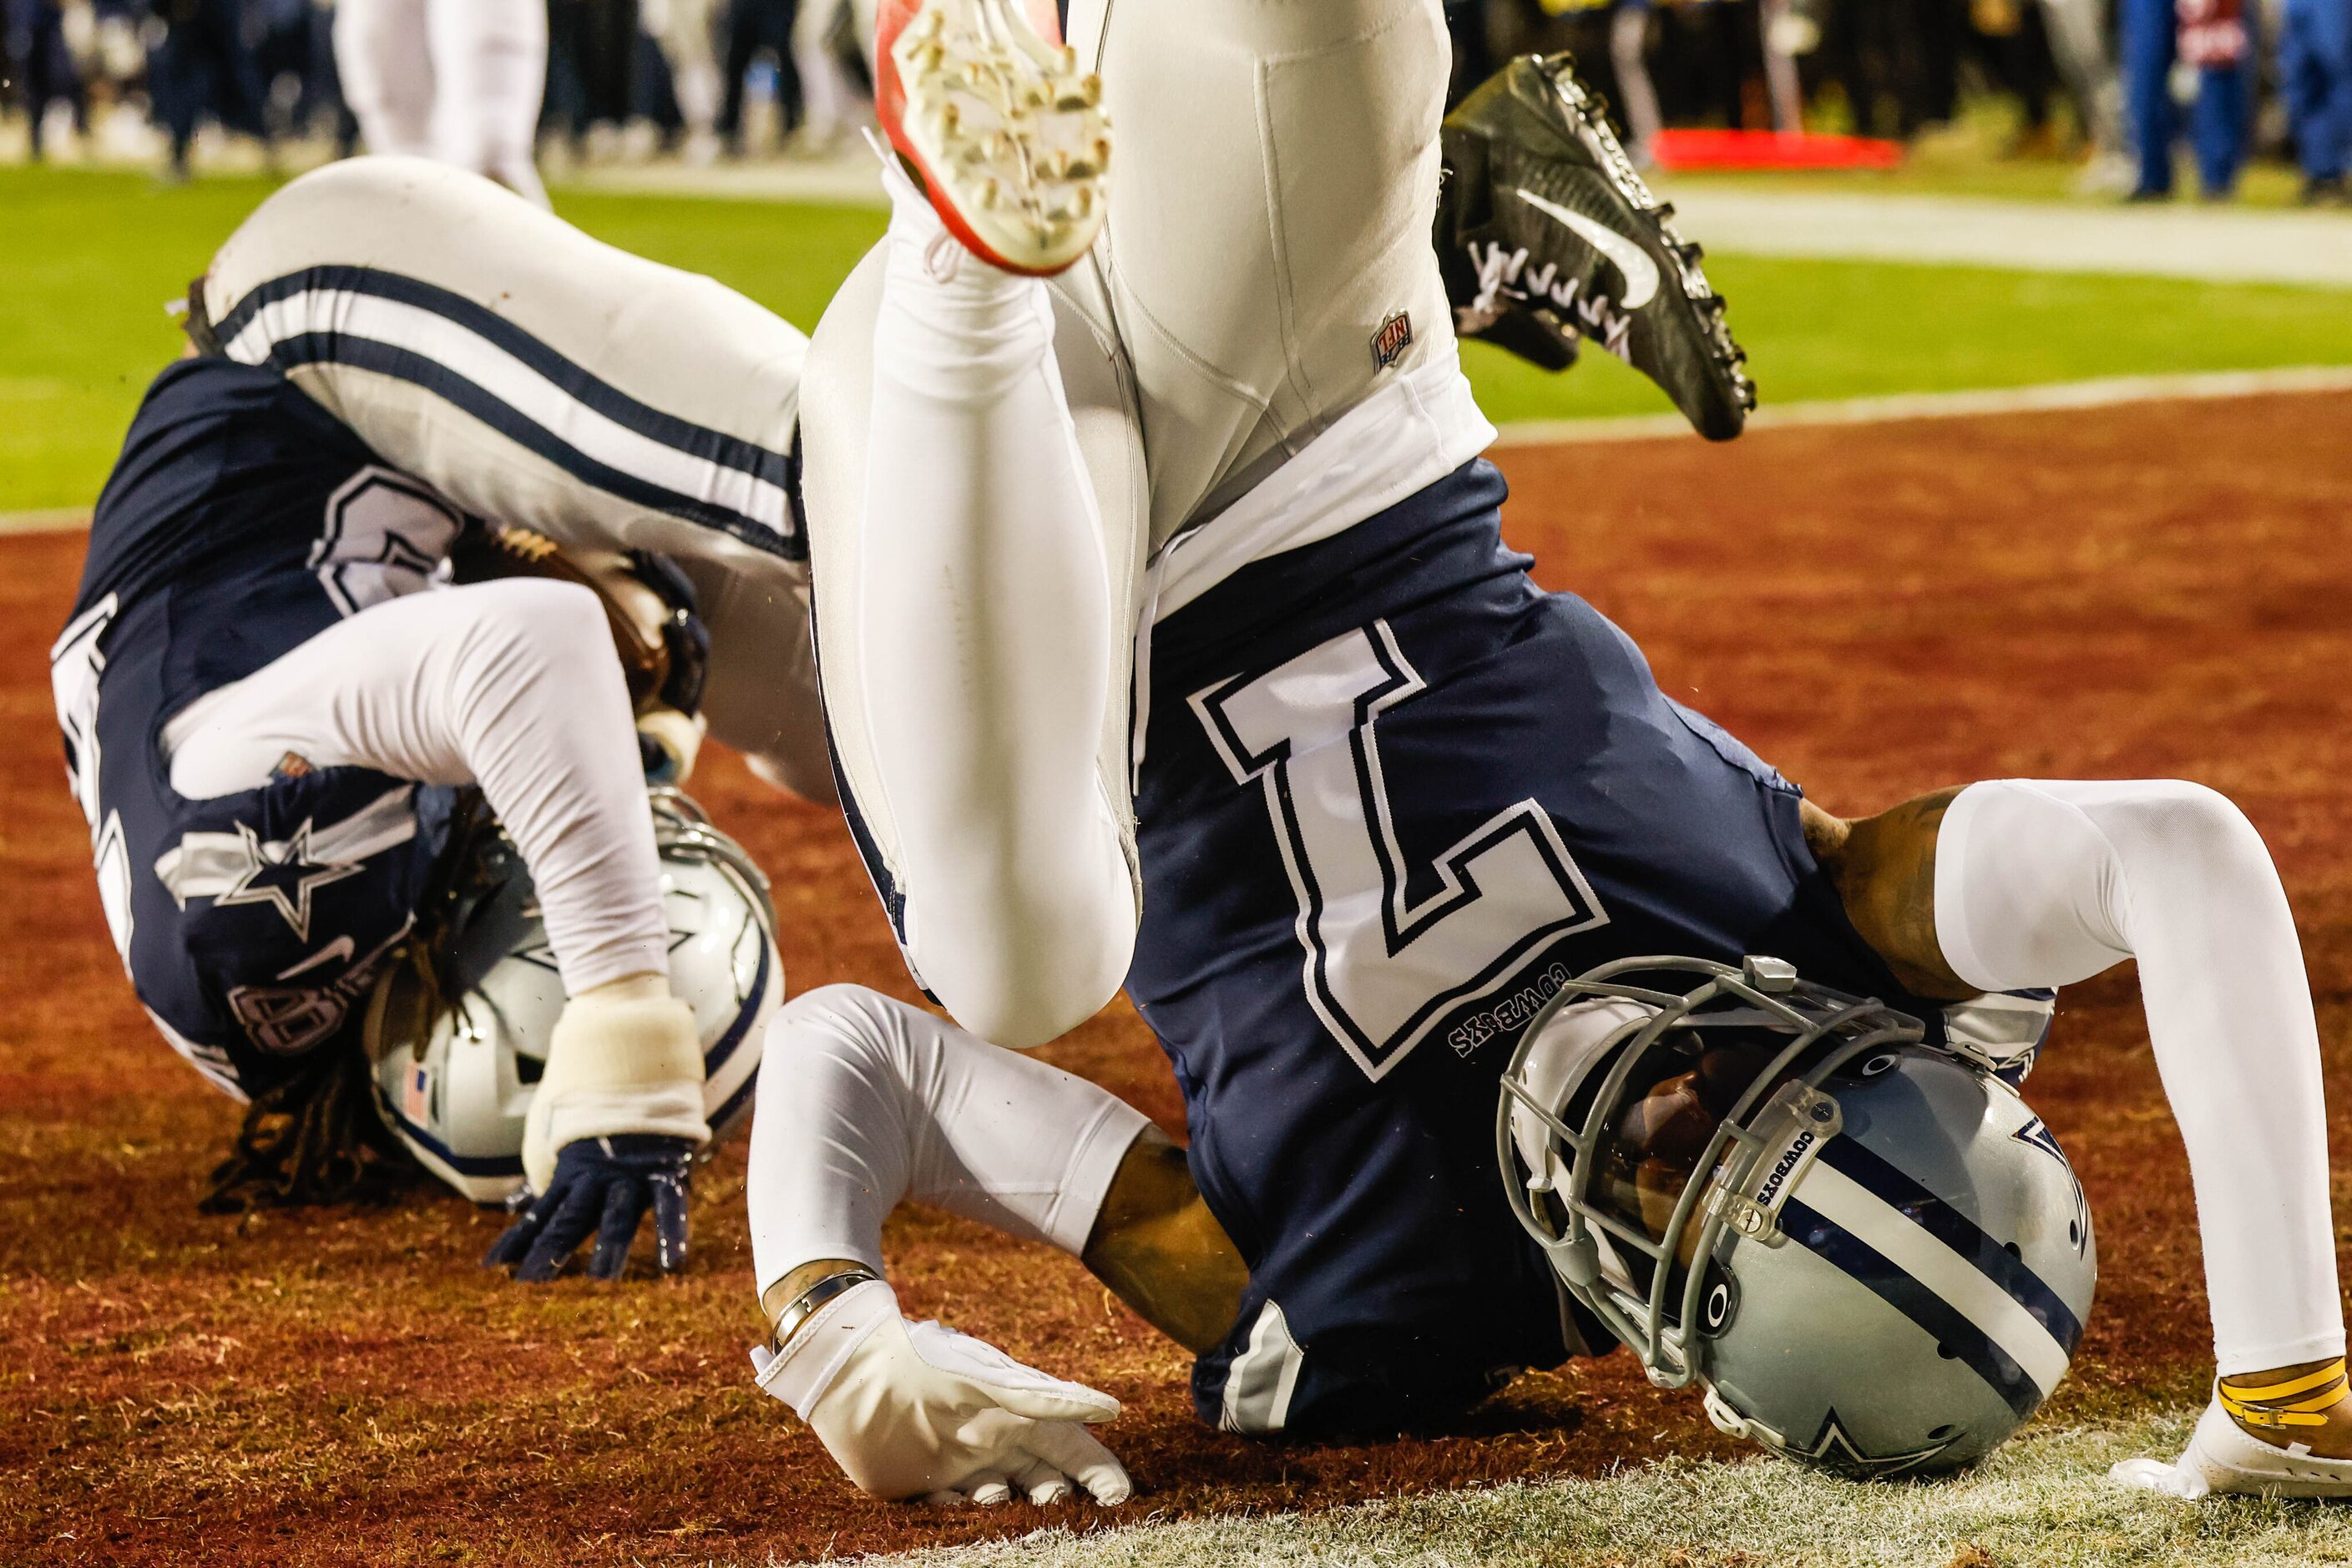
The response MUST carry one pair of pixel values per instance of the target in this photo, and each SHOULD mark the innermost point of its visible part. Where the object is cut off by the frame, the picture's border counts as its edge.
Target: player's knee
(832, 1027)
(2195, 830)
(538, 623)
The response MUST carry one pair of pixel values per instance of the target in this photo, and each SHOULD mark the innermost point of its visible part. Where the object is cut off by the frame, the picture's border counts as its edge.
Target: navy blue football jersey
(1393, 797)
(240, 521)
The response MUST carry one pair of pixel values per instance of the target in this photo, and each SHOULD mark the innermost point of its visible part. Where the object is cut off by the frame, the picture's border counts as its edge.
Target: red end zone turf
(1880, 610)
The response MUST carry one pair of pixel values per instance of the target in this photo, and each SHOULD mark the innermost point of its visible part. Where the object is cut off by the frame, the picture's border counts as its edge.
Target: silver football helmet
(456, 1055)
(1868, 1252)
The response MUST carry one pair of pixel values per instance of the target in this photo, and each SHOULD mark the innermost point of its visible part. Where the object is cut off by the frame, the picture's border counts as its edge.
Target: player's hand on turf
(602, 1187)
(917, 1410)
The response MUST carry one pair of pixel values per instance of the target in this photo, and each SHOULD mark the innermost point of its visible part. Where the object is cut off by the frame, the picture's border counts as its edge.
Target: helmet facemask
(1684, 1113)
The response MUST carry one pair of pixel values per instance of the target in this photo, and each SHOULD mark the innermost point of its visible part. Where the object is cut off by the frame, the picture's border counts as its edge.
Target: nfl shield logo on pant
(1395, 337)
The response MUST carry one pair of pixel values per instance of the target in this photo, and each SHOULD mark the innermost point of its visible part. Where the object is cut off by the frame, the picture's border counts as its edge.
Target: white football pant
(984, 512)
(457, 80)
(537, 377)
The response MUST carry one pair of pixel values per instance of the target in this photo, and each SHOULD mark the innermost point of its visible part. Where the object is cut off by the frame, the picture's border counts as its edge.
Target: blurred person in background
(456, 80)
(2078, 34)
(42, 64)
(2009, 37)
(2315, 74)
(755, 27)
(684, 29)
(295, 49)
(200, 66)
(827, 35)
(2212, 38)
(592, 70)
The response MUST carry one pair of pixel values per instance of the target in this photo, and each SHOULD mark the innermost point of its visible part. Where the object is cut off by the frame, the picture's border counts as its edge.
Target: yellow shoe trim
(2304, 1384)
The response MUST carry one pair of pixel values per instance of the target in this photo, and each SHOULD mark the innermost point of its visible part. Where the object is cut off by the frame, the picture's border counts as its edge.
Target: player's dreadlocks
(315, 1138)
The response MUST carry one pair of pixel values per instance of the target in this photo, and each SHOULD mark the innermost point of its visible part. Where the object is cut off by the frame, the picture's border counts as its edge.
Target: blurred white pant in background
(456, 80)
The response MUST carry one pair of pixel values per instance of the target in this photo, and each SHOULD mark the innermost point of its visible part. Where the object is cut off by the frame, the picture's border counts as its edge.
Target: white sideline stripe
(1841, 1199)
(2048, 397)
(56, 519)
(2056, 396)
(467, 354)
(2186, 240)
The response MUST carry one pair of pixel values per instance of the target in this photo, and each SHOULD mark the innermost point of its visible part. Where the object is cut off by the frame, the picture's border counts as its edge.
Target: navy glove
(601, 1185)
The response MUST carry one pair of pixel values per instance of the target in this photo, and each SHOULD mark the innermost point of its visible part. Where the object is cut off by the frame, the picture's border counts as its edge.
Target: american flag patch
(416, 1094)
(1395, 337)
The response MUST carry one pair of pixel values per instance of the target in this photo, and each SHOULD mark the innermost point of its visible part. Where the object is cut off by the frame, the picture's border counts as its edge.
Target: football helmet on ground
(1867, 1250)
(457, 1045)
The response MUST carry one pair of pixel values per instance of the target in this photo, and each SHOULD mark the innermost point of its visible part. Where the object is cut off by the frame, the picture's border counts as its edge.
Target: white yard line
(2185, 239)
(2050, 398)
(2182, 239)
(69, 520)
(2053, 396)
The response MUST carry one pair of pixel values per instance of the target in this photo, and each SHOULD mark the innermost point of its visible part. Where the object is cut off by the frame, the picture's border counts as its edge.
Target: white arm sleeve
(2044, 883)
(865, 1102)
(507, 684)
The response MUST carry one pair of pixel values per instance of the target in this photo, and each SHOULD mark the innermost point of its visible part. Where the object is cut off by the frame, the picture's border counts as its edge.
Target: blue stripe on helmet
(1940, 1219)
(1951, 1329)
(716, 1058)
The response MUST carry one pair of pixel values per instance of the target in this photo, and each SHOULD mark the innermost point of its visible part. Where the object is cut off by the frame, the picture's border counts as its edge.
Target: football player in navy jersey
(1389, 797)
(372, 552)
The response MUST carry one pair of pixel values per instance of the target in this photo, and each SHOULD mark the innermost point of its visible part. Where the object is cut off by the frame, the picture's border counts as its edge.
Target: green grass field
(93, 256)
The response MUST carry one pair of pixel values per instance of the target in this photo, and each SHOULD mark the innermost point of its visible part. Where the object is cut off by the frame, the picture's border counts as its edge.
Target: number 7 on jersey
(1382, 969)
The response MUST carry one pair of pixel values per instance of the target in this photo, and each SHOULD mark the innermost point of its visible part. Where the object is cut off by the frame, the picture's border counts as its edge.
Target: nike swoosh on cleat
(1641, 272)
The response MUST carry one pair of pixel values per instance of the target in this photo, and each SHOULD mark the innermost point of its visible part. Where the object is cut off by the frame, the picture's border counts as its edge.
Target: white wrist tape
(615, 1065)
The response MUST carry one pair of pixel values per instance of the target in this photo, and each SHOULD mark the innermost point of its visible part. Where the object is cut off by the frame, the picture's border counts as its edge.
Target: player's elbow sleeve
(2046, 882)
(2185, 848)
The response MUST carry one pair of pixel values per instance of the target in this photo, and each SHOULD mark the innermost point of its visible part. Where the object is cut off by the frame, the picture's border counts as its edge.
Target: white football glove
(917, 1410)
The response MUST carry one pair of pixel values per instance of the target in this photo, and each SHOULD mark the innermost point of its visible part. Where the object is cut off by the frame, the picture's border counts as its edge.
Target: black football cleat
(1546, 235)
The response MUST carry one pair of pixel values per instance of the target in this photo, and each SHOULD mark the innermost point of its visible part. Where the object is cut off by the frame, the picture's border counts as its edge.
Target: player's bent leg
(2066, 879)
(973, 635)
(532, 375)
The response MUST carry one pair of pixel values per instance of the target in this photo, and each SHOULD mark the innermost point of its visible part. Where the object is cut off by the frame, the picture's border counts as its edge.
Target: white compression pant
(2044, 883)
(510, 685)
(866, 1102)
(458, 80)
(534, 377)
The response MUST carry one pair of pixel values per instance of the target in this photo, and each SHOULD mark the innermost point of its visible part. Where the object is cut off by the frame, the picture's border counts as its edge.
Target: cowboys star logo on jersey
(243, 867)
(284, 875)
